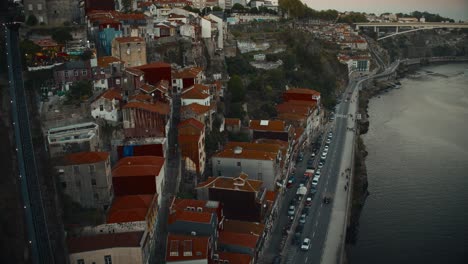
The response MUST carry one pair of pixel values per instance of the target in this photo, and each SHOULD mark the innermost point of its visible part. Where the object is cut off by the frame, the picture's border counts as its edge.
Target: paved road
(325, 224)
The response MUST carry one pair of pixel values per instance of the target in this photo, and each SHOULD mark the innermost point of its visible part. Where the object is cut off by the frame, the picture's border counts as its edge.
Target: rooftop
(158, 107)
(191, 72)
(104, 241)
(111, 94)
(135, 71)
(247, 150)
(240, 239)
(236, 258)
(154, 65)
(138, 166)
(267, 125)
(195, 93)
(196, 108)
(185, 248)
(244, 227)
(240, 183)
(232, 121)
(191, 122)
(85, 158)
(106, 60)
(301, 91)
(129, 208)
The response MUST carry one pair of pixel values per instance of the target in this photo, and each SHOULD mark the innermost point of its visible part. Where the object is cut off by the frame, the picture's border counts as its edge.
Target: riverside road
(325, 224)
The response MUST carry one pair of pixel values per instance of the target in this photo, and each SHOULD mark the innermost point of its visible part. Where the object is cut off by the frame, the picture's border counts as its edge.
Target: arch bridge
(408, 27)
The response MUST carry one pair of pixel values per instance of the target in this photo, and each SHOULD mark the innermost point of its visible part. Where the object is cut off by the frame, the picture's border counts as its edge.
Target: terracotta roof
(135, 71)
(129, 208)
(158, 107)
(267, 146)
(129, 39)
(130, 16)
(172, 15)
(138, 166)
(243, 227)
(190, 216)
(232, 122)
(196, 108)
(236, 258)
(187, 72)
(194, 93)
(191, 122)
(233, 238)
(303, 103)
(270, 196)
(110, 94)
(154, 65)
(292, 107)
(104, 62)
(144, 4)
(148, 88)
(298, 132)
(163, 86)
(86, 157)
(142, 97)
(104, 241)
(267, 125)
(246, 154)
(302, 91)
(182, 204)
(180, 248)
(232, 183)
(291, 117)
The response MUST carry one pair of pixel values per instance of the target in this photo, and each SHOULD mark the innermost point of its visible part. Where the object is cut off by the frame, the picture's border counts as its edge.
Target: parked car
(312, 155)
(302, 220)
(305, 244)
(320, 165)
(290, 183)
(310, 162)
(277, 260)
(291, 210)
(315, 182)
(313, 190)
(305, 210)
(308, 201)
(328, 141)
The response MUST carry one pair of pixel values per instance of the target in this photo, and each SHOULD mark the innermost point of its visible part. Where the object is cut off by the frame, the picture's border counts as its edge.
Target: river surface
(417, 211)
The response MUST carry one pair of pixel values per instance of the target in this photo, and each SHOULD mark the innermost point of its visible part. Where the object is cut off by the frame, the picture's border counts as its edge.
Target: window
(80, 261)
(76, 169)
(219, 162)
(76, 73)
(101, 107)
(93, 182)
(125, 80)
(219, 173)
(84, 72)
(78, 184)
(102, 81)
(108, 259)
(117, 81)
(66, 74)
(30, 7)
(39, 6)
(260, 176)
(238, 163)
(41, 19)
(92, 169)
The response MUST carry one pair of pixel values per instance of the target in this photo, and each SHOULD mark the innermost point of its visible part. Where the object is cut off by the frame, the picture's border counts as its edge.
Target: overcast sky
(456, 9)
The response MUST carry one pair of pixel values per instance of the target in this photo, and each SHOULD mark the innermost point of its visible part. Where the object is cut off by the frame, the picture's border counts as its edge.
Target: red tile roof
(190, 216)
(302, 91)
(154, 65)
(142, 97)
(239, 183)
(110, 94)
(240, 239)
(270, 196)
(104, 62)
(158, 107)
(138, 166)
(195, 93)
(267, 125)
(196, 108)
(243, 227)
(135, 71)
(129, 208)
(104, 241)
(180, 248)
(191, 122)
(86, 157)
(188, 72)
(236, 258)
(129, 39)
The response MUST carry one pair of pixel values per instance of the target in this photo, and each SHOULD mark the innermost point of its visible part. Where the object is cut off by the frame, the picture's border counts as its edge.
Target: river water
(417, 211)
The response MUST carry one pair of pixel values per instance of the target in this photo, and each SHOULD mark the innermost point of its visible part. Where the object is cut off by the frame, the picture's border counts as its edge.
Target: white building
(198, 93)
(221, 29)
(107, 106)
(73, 138)
(205, 27)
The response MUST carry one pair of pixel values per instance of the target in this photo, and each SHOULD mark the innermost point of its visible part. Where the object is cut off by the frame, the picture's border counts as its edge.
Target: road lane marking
(306, 259)
(313, 234)
(316, 223)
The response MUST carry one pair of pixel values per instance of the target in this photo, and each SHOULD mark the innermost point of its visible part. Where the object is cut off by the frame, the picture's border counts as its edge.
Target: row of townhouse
(229, 223)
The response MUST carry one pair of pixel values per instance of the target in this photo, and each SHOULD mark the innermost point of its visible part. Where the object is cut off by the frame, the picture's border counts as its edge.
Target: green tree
(127, 6)
(32, 20)
(237, 7)
(79, 91)
(217, 8)
(28, 49)
(236, 89)
(61, 35)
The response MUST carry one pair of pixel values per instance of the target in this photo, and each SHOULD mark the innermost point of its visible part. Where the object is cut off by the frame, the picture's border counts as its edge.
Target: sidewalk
(337, 227)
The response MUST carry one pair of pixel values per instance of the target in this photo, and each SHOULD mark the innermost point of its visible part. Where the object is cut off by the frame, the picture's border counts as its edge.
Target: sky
(456, 9)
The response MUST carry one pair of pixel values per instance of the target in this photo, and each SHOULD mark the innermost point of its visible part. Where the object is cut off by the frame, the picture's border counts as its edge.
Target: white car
(315, 182)
(291, 210)
(305, 244)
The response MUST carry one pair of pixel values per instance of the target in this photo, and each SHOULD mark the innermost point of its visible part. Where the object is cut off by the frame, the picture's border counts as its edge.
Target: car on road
(308, 201)
(302, 220)
(277, 260)
(320, 165)
(315, 182)
(328, 141)
(291, 210)
(305, 244)
(310, 162)
(305, 210)
(310, 167)
(312, 155)
(324, 156)
(290, 183)
(313, 190)
(330, 134)
(326, 199)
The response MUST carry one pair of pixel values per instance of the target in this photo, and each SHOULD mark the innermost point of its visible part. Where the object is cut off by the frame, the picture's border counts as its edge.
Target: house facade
(86, 178)
(131, 50)
(192, 145)
(107, 106)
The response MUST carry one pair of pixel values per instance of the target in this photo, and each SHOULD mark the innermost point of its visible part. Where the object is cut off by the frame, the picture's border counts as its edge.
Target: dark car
(277, 260)
(310, 162)
(305, 210)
